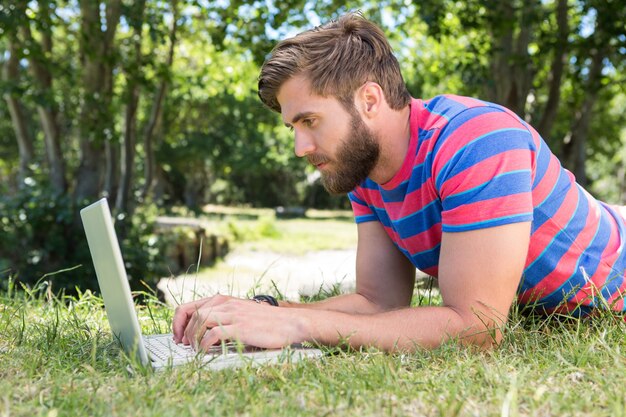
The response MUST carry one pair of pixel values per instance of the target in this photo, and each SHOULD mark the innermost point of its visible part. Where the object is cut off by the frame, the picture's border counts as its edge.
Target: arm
(479, 273)
(385, 280)
(384, 277)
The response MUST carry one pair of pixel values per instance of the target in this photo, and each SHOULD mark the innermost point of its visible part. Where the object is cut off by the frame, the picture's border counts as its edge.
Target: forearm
(354, 303)
(403, 330)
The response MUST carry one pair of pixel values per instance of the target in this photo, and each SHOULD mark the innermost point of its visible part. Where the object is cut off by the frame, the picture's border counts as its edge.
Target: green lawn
(259, 229)
(57, 358)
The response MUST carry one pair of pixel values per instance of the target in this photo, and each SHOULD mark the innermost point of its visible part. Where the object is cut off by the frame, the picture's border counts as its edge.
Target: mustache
(316, 159)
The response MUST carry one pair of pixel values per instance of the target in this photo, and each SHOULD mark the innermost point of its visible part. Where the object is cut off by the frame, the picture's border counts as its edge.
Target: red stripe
(412, 203)
(423, 241)
(478, 174)
(547, 183)
(609, 255)
(551, 228)
(466, 101)
(468, 132)
(488, 209)
(568, 262)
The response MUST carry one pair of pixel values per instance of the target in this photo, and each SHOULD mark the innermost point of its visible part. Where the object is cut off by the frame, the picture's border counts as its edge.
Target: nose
(304, 144)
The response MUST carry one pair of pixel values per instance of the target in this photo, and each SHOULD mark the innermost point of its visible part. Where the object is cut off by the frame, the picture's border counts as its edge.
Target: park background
(153, 104)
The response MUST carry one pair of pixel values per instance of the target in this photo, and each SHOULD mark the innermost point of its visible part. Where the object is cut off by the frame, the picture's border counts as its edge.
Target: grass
(57, 358)
(259, 229)
(299, 236)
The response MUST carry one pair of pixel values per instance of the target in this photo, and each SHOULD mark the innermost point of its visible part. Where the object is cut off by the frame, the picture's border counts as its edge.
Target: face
(335, 141)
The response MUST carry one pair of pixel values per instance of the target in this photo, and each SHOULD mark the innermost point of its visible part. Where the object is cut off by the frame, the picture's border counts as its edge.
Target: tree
(95, 123)
(603, 47)
(10, 77)
(157, 105)
(133, 84)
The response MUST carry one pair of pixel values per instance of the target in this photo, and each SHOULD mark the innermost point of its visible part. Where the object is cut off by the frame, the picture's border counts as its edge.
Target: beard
(356, 157)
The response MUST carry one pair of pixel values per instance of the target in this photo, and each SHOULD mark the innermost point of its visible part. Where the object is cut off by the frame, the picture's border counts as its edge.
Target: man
(456, 187)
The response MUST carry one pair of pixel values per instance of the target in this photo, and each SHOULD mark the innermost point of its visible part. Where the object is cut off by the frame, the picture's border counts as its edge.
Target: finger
(215, 336)
(184, 312)
(196, 323)
(182, 315)
(204, 325)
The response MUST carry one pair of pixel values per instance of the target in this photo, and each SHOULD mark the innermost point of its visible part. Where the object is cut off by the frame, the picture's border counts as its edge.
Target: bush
(42, 236)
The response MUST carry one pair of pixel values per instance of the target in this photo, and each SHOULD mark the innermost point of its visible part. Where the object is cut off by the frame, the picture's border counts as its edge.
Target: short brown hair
(337, 57)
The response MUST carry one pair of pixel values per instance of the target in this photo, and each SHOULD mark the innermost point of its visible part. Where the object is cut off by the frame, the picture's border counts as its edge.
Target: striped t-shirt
(473, 164)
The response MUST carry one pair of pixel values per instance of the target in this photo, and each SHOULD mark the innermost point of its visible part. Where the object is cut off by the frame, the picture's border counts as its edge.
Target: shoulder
(449, 112)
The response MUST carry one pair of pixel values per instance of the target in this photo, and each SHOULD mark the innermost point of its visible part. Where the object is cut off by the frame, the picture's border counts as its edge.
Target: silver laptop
(157, 351)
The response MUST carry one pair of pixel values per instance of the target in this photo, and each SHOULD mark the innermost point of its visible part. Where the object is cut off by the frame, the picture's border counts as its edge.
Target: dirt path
(245, 272)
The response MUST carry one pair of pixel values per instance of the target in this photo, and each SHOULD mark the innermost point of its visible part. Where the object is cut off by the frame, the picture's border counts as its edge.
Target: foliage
(156, 101)
(43, 239)
(264, 227)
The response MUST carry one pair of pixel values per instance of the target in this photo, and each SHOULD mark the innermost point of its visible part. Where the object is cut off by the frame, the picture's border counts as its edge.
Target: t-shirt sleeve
(483, 169)
(362, 211)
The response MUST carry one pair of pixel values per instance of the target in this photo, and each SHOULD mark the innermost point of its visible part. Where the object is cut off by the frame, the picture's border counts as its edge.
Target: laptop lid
(112, 279)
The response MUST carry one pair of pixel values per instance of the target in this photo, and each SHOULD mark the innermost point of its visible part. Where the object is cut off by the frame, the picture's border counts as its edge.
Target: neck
(394, 133)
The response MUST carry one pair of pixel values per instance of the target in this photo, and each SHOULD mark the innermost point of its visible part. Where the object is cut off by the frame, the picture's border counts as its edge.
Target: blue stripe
(368, 184)
(418, 178)
(547, 208)
(419, 221)
(554, 251)
(512, 182)
(396, 194)
(382, 215)
(542, 162)
(577, 278)
(365, 218)
(425, 259)
(459, 119)
(353, 197)
(445, 107)
(481, 148)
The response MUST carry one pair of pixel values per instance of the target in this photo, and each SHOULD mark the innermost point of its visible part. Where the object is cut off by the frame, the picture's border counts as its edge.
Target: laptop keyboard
(162, 346)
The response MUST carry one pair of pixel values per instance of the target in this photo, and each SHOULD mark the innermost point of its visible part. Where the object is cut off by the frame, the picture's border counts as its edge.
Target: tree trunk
(575, 151)
(46, 106)
(556, 74)
(502, 41)
(112, 146)
(96, 122)
(511, 66)
(112, 169)
(24, 139)
(130, 119)
(155, 113)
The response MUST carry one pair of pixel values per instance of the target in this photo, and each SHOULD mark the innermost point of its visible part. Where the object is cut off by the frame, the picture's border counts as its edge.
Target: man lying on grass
(459, 188)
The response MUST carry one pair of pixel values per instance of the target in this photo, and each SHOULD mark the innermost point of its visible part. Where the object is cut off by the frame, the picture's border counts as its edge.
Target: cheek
(331, 139)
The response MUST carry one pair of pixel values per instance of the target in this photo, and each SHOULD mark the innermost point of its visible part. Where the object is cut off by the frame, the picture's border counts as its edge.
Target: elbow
(488, 340)
(479, 330)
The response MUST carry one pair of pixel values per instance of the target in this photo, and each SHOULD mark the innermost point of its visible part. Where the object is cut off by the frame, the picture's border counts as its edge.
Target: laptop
(158, 351)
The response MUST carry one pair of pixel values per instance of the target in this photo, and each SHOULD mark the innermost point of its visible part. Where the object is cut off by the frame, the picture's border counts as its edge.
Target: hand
(206, 322)
(185, 312)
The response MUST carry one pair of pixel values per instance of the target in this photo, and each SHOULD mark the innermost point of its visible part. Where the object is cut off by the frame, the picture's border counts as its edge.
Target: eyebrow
(298, 117)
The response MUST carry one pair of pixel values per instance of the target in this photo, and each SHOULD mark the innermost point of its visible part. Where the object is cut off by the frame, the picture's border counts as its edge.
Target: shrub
(42, 235)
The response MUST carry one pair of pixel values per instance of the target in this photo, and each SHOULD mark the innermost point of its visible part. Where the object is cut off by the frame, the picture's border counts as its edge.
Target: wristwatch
(262, 298)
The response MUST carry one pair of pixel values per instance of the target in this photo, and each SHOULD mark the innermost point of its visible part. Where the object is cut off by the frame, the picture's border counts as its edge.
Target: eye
(308, 122)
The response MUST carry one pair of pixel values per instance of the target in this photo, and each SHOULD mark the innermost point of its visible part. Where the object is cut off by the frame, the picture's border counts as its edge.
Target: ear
(370, 99)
